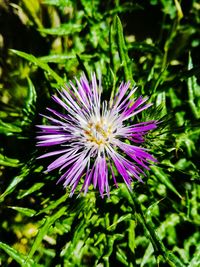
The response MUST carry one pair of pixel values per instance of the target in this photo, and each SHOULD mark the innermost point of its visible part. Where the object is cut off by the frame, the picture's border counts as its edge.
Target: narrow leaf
(25, 211)
(29, 191)
(17, 256)
(31, 97)
(163, 177)
(63, 30)
(193, 92)
(40, 64)
(44, 229)
(9, 128)
(61, 58)
(14, 183)
(9, 162)
(123, 51)
(54, 204)
(32, 7)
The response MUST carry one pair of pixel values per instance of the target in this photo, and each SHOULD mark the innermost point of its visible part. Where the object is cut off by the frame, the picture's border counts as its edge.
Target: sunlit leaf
(40, 64)
(17, 256)
(49, 221)
(5, 161)
(63, 30)
(26, 211)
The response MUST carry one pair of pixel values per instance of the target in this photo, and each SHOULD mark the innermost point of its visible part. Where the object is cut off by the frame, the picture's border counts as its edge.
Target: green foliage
(40, 64)
(155, 45)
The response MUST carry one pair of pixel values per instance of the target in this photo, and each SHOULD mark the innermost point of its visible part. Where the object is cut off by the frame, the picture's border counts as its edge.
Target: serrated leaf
(163, 177)
(54, 204)
(59, 3)
(29, 191)
(91, 8)
(144, 47)
(123, 51)
(63, 29)
(40, 64)
(121, 219)
(61, 58)
(17, 256)
(16, 180)
(57, 58)
(193, 92)
(44, 229)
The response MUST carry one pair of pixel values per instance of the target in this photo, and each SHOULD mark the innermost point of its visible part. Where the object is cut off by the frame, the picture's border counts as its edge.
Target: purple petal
(121, 92)
(52, 153)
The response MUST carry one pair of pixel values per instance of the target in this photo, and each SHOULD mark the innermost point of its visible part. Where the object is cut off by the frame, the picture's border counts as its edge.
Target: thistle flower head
(93, 139)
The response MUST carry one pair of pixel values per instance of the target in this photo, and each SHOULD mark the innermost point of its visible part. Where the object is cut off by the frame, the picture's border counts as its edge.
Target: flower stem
(159, 247)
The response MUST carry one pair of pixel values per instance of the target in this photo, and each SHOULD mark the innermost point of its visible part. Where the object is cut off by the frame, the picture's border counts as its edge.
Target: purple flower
(93, 138)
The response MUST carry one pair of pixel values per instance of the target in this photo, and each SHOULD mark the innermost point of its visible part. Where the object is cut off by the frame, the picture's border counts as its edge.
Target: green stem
(159, 247)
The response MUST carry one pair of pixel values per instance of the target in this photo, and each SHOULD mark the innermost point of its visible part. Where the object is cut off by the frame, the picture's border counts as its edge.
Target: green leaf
(163, 177)
(44, 229)
(17, 256)
(175, 101)
(16, 180)
(121, 219)
(29, 191)
(194, 202)
(91, 9)
(79, 232)
(113, 51)
(175, 260)
(9, 162)
(144, 47)
(147, 255)
(25, 211)
(59, 3)
(57, 58)
(31, 98)
(82, 66)
(63, 29)
(41, 65)
(110, 245)
(9, 128)
(61, 58)
(131, 235)
(32, 8)
(54, 204)
(30, 102)
(122, 256)
(193, 92)
(123, 51)
(195, 262)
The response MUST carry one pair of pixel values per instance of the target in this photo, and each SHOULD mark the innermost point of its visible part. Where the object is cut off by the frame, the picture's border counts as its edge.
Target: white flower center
(99, 132)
